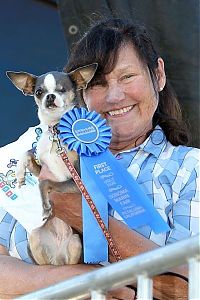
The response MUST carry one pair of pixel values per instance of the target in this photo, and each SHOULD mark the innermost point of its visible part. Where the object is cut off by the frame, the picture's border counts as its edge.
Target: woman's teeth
(120, 111)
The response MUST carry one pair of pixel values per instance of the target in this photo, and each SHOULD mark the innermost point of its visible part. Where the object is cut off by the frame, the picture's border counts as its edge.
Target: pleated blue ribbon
(106, 181)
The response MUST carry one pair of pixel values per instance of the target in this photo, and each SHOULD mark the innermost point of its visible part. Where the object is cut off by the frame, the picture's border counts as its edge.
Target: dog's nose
(50, 100)
(51, 97)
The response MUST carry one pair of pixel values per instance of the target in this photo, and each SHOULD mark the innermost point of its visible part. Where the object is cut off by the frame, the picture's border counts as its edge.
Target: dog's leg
(32, 165)
(27, 161)
(21, 170)
(46, 186)
(54, 243)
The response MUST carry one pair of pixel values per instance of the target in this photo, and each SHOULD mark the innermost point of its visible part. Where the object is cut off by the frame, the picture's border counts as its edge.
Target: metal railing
(138, 269)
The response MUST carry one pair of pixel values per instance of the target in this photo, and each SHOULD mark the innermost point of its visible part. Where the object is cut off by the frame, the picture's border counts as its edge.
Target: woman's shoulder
(190, 151)
(188, 157)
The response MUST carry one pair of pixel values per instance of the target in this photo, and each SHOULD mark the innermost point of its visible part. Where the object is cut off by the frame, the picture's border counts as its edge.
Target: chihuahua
(54, 94)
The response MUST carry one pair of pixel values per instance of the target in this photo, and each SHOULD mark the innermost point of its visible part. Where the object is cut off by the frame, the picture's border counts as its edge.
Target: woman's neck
(116, 146)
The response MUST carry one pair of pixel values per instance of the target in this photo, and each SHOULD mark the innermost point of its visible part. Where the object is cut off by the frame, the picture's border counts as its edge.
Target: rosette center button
(85, 131)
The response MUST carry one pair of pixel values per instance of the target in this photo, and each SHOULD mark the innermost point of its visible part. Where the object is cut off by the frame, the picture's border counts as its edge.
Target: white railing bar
(122, 273)
(144, 288)
(98, 295)
(194, 271)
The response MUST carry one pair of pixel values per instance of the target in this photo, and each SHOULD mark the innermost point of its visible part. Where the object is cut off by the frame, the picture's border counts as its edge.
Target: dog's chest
(47, 154)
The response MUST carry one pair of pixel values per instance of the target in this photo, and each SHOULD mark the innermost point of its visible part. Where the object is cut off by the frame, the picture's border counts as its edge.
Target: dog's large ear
(25, 82)
(83, 75)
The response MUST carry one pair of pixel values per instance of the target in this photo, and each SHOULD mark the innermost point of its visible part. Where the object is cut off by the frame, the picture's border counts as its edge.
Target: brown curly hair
(101, 44)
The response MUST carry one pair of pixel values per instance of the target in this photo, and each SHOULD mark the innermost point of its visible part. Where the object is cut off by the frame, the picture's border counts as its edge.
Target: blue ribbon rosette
(106, 181)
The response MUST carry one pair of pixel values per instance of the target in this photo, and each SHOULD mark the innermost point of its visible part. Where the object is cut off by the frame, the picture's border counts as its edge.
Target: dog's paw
(74, 249)
(20, 175)
(21, 182)
(47, 212)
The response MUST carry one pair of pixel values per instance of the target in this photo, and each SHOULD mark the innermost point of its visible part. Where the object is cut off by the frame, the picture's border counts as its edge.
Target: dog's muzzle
(50, 101)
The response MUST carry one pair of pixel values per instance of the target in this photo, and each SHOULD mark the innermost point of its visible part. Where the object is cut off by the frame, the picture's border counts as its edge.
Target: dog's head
(54, 92)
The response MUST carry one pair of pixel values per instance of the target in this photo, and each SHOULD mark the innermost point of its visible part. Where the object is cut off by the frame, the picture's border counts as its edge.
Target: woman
(130, 90)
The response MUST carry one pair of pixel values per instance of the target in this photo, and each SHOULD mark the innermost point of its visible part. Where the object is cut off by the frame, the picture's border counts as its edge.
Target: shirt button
(73, 29)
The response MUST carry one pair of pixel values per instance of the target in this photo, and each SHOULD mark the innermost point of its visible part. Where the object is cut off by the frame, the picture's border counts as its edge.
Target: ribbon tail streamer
(94, 242)
(123, 193)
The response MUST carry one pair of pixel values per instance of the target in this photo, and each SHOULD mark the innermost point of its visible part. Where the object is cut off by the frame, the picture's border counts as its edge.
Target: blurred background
(31, 40)
(36, 37)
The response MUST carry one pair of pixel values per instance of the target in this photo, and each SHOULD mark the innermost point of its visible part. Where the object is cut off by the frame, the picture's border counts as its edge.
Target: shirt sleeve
(13, 237)
(184, 215)
(5, 221)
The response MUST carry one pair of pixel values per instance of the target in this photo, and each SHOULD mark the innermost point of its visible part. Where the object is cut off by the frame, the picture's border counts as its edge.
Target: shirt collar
(154, 144)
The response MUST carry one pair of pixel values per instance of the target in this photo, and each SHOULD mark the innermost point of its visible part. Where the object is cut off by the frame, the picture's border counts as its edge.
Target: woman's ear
(160, 74)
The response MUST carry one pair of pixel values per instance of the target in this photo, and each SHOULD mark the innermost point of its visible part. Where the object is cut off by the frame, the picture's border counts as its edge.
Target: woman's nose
(115, 93)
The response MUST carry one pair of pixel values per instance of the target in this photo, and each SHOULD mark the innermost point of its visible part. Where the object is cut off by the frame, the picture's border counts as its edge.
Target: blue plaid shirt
(168, 175)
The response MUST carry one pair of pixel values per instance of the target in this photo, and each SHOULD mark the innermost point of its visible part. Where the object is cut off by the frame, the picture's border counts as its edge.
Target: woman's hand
(68, 207)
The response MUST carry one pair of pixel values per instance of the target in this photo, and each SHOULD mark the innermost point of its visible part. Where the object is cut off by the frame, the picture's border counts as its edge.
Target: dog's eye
(62, 90)
(39, 92)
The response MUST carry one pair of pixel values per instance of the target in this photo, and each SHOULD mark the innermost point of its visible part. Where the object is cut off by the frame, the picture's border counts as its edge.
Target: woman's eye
(127, 76)
(39, 92)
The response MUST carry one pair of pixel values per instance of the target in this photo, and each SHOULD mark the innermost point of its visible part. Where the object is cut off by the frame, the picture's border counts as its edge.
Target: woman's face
(127, 99)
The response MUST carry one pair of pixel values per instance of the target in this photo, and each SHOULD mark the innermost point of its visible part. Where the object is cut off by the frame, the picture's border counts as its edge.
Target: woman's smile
(120, 112)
